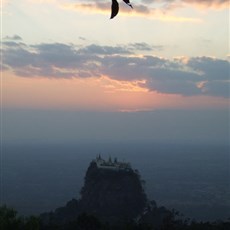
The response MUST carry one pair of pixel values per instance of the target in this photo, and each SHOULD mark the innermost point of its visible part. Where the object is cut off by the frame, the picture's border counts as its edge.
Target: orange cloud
(138, 10)
(204, 4)
(114, 86)
(147, 4)
(103, 94)
(178, 76)
(153, 9)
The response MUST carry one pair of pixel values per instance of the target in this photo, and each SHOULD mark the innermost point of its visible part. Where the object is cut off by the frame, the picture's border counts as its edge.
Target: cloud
(209, 3)
(139, 9)
(200, 75)
(96, 49)
(217, 88)
(14, 37)
(154, 9)
(211, 68)
(142, 46)
(173, 4)
(183, 76)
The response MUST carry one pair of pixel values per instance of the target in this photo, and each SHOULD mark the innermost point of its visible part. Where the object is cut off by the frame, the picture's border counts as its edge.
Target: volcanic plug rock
(113, 193)
(112, 190)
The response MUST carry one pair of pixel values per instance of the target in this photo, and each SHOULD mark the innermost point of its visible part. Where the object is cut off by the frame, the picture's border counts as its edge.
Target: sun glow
(102, 94)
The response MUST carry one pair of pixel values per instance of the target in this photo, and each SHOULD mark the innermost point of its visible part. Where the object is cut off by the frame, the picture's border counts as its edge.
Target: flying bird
(128, 3)
(115, 7)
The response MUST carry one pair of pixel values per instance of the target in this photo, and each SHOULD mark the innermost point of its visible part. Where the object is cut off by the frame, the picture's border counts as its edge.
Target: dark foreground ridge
(112, 198)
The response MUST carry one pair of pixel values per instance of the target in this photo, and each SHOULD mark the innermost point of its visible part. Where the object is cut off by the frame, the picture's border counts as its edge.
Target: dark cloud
(102, 5)
(131, 68)
(170, 86)
(17, 55)
(140, 8)
(148, 1)
(82, 38)
(173, 81)
(195, 76)
(104, 50)
(12, 44)
(201, 75)
(142, 46)
(152, 7)
(14, 37)
(106, 6)
(171, 4)
(217, 88)
(206, 2)
(57, 54)
(212, 69)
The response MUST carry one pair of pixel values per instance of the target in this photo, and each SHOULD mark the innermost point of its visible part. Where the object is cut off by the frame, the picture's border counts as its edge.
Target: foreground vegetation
(9, 220)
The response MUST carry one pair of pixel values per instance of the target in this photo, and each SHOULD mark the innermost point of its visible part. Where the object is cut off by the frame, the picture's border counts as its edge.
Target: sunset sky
(68, 67)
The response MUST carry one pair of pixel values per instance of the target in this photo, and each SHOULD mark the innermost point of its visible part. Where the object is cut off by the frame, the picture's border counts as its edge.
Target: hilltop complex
(112, 192)
(112, 165)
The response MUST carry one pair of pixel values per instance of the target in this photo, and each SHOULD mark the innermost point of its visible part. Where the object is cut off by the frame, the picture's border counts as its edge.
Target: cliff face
(112, 193)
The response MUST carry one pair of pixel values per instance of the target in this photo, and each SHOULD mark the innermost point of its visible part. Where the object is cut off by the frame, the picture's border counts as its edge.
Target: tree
(32, 223)
(9, 219)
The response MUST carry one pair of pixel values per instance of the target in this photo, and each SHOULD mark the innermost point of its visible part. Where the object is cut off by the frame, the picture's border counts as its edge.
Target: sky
(159, 71)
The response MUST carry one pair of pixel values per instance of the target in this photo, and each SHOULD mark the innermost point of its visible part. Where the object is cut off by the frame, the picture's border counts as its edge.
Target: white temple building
(112, 164)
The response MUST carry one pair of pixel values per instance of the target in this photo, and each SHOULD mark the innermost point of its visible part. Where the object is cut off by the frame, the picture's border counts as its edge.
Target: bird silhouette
(115, 7)
(128, 3)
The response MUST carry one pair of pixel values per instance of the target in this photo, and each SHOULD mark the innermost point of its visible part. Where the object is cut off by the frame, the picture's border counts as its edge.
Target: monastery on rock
(112, 165)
